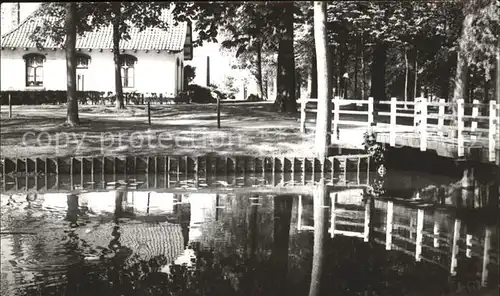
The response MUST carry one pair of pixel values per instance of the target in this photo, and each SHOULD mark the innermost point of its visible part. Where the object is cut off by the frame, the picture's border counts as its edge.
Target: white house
(152, 60)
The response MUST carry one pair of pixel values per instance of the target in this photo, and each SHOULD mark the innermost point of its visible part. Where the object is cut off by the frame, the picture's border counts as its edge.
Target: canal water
(257, 236)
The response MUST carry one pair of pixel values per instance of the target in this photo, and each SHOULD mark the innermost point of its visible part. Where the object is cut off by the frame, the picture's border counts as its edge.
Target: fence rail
(468, 125)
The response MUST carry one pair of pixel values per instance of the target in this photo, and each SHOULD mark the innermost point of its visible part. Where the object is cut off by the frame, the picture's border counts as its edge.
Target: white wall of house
(154, 72)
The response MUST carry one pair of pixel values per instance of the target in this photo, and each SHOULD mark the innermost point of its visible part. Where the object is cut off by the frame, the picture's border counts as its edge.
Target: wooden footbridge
(472, 132)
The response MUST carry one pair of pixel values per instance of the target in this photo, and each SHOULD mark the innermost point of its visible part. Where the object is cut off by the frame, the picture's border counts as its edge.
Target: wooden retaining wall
(105, 173)
(182, 165)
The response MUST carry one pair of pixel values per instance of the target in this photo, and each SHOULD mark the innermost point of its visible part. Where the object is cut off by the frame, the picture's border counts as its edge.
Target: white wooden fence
(429, 119)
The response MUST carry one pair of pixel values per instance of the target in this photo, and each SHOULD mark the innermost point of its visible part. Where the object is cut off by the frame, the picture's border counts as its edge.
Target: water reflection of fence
(95, 173)
(428, 234)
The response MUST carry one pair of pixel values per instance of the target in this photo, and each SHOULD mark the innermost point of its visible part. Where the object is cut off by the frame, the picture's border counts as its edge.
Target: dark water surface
(211, 240)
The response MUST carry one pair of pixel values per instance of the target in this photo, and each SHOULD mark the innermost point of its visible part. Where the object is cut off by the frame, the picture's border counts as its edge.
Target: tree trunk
(498, 74)
(378, 72)
(355, 95)
(332, 79)
(259, 70)
(415, 83)
(486, 90)
(343, 68)
(116, 55)
(314, 75)
(462, 71)
(285, 97)
(324, 114)
(363, 71)
(406, 74)
(72, 104)
(320, 236)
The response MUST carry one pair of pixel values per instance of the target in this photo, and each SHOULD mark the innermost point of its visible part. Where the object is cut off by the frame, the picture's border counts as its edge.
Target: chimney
(16, 14)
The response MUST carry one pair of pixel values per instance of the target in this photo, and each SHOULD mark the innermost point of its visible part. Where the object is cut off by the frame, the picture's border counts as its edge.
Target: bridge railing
(469, 125)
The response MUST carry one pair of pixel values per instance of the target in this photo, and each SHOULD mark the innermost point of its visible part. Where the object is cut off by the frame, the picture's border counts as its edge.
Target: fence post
(454, 250)
(333, 196)
(486, 257)
(10, 106)
(303, 115)
(388, 227)
(416, 112)
(423, 125)
(441, 117)
(475, 114)
(460, 119)
(420, 229)
(492, 130)
(392, 131)
(336, 117)
(370, 111)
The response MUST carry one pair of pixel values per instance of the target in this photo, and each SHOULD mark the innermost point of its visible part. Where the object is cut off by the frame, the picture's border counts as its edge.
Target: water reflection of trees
(344, 266)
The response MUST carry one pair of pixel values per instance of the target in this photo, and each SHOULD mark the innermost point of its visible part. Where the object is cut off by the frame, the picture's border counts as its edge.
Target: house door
(80, 80)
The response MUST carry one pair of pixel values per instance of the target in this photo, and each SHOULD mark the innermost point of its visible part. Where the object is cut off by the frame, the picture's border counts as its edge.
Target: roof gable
(150, 39)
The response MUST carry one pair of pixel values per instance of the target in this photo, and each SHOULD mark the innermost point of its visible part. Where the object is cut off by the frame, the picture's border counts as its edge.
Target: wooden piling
(455, 249)
(419, 239)
(486, 257)
(366, 234)
(389, 224)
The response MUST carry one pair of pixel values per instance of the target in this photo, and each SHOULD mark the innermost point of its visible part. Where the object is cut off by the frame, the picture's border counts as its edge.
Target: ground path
(190, 129)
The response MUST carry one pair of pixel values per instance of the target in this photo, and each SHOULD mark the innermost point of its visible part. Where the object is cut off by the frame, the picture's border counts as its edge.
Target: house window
(127, 68)
(34, 69)
(82, 64)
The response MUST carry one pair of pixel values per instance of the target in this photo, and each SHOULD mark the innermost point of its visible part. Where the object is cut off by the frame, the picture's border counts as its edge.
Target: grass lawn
(246, 129)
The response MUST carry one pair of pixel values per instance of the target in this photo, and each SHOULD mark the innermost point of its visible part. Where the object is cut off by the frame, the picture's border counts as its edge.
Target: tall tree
(72, 102)
(116, 18)
(478, 43)
(285, 98)
(323, 117)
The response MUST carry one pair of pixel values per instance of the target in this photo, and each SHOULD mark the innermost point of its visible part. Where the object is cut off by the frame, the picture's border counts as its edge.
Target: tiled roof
(152, 38)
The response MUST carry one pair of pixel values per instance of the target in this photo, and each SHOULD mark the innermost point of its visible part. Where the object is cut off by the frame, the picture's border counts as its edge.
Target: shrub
(200, 94)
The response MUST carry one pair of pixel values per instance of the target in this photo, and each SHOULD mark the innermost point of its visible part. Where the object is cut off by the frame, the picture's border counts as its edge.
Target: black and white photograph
(250, 148)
